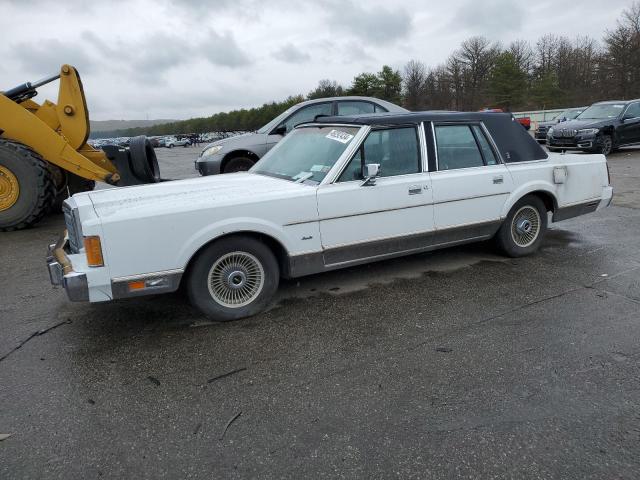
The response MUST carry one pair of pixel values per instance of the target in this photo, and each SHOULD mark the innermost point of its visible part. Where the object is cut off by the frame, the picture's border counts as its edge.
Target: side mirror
(370, 172)
(280, 130)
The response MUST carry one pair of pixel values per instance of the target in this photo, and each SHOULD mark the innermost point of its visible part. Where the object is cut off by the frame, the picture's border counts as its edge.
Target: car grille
(564, 133)
(72, 229)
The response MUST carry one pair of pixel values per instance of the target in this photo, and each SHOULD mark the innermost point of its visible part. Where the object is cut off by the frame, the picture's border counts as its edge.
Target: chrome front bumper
(61, 272)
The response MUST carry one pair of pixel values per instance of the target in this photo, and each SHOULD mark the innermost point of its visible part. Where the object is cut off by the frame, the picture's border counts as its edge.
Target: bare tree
(413, 85)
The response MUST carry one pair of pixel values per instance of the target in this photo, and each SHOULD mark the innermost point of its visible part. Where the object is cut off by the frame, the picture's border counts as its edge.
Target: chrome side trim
(399, 208)
(120, 285)
(382, 249)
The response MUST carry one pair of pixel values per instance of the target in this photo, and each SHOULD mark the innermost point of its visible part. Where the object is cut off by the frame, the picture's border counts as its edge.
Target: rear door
(470, 184)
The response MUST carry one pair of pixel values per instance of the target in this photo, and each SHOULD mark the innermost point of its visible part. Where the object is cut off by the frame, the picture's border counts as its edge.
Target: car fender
(527, 188)
(230, 226)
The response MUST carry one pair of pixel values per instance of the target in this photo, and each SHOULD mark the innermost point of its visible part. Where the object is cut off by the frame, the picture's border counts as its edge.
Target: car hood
(244, 140)
(191, 195)
(549, 123)
(578, 124)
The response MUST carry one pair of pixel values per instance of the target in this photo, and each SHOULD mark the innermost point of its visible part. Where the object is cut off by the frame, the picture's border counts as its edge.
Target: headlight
(211, 151)
(588, 131)
(550, 131)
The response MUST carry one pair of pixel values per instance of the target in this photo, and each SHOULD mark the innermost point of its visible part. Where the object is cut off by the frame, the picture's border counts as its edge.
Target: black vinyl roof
(513, 141)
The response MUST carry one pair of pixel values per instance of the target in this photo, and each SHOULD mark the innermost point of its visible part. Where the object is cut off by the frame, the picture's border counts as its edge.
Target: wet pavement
(458, 363)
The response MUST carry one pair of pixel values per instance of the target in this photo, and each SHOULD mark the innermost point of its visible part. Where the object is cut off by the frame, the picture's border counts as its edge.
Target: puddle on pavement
(405, 268)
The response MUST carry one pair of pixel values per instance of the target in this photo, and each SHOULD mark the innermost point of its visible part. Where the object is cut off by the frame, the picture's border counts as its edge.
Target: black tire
(170, 145)
(253, 295)
(514, 239)
(35, 185)
(238, 164)
(143, 160)
(606, 145)
(73, 184)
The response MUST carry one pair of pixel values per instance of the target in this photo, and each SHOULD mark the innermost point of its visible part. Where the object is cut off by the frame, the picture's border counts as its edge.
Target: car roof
(392, 118)
(513, 141)
(392, 107)
(611, 102)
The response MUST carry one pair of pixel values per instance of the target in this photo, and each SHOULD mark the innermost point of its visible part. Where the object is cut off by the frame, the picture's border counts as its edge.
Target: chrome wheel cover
(235, 279)
(525, 226)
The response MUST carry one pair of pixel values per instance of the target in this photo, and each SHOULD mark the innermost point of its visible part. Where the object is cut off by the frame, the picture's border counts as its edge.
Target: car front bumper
(61, 272)
(575, 143)
(94, 284)
(209, 165)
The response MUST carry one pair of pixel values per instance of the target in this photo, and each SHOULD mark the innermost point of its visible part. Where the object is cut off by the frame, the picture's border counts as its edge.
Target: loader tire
(72, 184)
(26, 187)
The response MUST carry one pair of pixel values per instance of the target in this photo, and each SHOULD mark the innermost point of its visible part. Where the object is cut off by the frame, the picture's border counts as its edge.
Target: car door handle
(415, 190)
(498, 179)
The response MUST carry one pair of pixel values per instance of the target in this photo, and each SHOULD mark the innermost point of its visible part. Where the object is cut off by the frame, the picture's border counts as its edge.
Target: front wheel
(238, 164)
(233, 278)
(606, 145)
(522, 231)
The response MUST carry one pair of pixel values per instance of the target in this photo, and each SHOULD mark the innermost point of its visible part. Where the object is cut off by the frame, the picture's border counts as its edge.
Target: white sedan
(338, 192)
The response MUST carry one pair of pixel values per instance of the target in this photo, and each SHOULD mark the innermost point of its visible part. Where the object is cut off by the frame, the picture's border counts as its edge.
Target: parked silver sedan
(239, 153)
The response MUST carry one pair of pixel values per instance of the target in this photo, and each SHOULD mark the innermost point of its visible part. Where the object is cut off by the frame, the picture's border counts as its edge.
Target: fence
(540, 115)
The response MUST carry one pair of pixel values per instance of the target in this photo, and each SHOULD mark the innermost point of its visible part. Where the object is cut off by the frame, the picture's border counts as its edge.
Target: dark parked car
(239, 153)
(569, 114)
(601, 128)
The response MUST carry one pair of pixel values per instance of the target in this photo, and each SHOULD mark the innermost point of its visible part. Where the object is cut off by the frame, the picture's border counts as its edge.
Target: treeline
(553, 72)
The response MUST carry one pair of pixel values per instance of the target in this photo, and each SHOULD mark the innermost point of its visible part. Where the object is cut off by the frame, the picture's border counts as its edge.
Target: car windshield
(600, 112)
(277, 121)
(306, 154)
(571, 114)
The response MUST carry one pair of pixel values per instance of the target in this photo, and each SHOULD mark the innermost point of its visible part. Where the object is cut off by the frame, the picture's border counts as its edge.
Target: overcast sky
(186, 58)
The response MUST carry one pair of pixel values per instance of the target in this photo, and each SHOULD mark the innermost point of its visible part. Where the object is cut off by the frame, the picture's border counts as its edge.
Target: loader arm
(58, 132)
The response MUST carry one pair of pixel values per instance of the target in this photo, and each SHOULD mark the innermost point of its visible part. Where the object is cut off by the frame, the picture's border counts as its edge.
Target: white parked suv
(174, 142)
(338, 192)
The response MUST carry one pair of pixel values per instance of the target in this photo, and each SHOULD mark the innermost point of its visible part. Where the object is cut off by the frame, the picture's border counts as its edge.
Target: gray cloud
(291, 54)
(183, 58)
(378, 25)
(45, 56)
(223, 50)
(489, 16)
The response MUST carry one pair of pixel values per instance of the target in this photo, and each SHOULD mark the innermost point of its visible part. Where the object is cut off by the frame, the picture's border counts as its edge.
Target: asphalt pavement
(453, 364)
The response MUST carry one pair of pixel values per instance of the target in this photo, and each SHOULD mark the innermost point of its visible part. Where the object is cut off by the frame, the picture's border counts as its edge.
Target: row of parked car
(601, 128)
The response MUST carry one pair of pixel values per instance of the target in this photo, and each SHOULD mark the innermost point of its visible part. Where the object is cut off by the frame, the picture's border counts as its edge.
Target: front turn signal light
(93, 249)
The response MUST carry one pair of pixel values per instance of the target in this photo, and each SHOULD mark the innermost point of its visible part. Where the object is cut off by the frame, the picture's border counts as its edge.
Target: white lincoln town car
(337, 192)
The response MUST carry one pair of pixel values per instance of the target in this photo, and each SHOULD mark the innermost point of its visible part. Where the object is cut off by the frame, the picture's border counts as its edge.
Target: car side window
(355, 108)
(307, 114)
(487, 152)
(633, 111)
(457, 147)
(397, 150)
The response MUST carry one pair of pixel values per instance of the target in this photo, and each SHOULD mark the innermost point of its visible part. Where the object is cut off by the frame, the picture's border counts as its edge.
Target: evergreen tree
(507, 82)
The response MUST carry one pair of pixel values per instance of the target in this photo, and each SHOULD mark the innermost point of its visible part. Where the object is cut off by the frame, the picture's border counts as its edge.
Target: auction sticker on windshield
(339, 136)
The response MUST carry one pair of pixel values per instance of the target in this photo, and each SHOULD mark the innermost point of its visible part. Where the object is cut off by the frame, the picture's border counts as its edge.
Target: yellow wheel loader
(45, 157)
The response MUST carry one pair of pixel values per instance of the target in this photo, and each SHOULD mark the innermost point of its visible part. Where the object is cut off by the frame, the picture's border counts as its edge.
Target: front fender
(230, 226)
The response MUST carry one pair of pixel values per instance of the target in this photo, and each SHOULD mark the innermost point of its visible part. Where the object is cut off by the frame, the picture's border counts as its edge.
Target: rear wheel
(26, 186)
(238, 164)
(233, 278)
(522, 231)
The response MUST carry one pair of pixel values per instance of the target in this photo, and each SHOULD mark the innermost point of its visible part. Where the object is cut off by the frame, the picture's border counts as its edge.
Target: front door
(470, 186)
(629, 130)
(394, 215)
